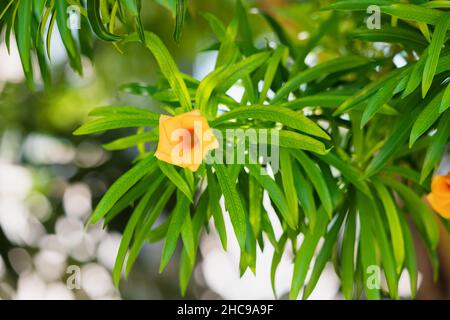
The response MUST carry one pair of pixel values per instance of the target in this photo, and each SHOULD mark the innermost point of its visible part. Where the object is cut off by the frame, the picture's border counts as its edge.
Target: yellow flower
(439, 198)
(185, 140)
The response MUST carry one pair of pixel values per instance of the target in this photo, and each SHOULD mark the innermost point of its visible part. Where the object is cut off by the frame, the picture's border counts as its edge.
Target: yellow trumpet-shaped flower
(185, 140)
(439, 198)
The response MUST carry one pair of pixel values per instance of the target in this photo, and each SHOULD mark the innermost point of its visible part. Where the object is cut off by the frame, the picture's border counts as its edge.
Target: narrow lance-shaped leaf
(93, 10)
(410, 256)
(305, 194)
(394, 223)
(116, 122)
(367, 252)
(378, 100)
(292, 119)
(398, 136)
(437, 147)
(198, 220)
(180, 16)
(121, 186)
(143, 230)
(316, 178)
(434, 52)
(23, 37)
(136, 216)
(421, 213)
(426, 118)
(385, 247)
(225, 76)
(272, 68)
(306, 252)
(168, 67)
(348, 254)
(176, 178)
(276, 259)
(214, 207)
(288, 183)
(233, 204)
(324, 255)
(348, 171)
(275, 193)
(177, 219)
(336, 65)
(66, 35)
(445, 103)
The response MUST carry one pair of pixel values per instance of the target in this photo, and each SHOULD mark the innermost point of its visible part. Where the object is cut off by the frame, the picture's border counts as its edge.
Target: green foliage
(343, 125)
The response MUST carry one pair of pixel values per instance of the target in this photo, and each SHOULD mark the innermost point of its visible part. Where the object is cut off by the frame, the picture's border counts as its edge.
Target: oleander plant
(361, 108)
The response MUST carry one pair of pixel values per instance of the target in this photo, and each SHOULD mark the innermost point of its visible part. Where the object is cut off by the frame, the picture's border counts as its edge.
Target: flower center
(190, 141)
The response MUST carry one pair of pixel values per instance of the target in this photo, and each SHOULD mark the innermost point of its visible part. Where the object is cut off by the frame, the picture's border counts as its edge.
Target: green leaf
(23, 37)
(276, 259)
(349, 172)
(348, 255)
(386, 252)
(365, 93)
(180, 15)
(233, 203)
(437, 147)
(360, 5)
(412, 12)
(287, 176)
(177, 219)
(306, 195)
(136, 216)
(434, 51)
(324, 100)
(66, 35)
(329, 67)
(316, 178)
(131, 141)
(187, 235)
(445, 103)
(93, 11)
(305, 254)
(421, 213)
(426, 119)
(294, 140)
(396, 138)
(324, 255)
(121, 186)
(174, 176)
(216, 25)
(272, 68)
(292, 119)
(408, 37)
(245, 30)
(186, 267)
(275, 194)
(225, 76)
(255, 206)
(378, 100)
(416, 75)
(121, 110)
(132, 195)
(410, 256)
(228, 51)
(168, 67)
(394, 223)
(214, 206)
(367, 249)
(117, 122)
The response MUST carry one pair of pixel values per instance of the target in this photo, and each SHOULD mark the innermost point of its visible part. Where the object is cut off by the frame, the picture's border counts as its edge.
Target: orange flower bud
(185, 140)
(439, 198)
